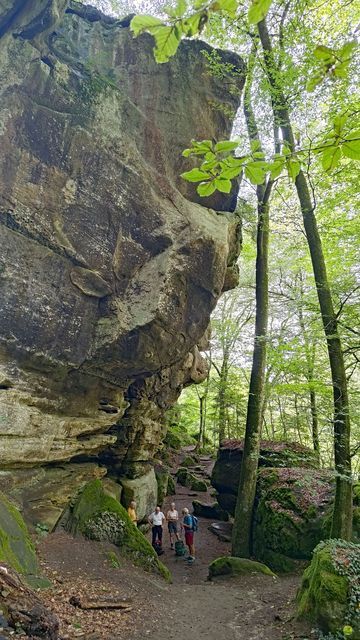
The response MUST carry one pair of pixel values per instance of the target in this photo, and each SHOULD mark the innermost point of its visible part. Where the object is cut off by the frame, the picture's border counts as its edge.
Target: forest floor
(254, 607)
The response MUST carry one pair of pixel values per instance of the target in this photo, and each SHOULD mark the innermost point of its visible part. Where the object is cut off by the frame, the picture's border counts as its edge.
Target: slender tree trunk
(310, 358)
(222, 395)
(342, 516)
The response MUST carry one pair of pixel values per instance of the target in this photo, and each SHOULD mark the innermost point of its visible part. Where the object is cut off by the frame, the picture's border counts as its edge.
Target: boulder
(293, 512)
(212, 511)
(143, 490)
(231, 567)
(171, 489)
(226, 472)
(102, 299)
(188, 479)
(100, 517)
(16, 547)
(188, 461)
(329, 593)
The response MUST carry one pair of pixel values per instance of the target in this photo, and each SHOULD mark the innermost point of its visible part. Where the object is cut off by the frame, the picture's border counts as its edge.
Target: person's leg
(153, 535)
(160, 533)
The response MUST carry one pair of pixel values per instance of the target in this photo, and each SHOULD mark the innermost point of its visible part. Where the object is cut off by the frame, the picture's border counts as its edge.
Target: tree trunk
(222, 395)
(342, 516)
(24, 608)
(242, 529)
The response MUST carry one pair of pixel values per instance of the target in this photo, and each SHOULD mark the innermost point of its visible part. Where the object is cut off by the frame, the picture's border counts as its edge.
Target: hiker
(172, 518)
(157, 519)
(189, 527)
(132, 512)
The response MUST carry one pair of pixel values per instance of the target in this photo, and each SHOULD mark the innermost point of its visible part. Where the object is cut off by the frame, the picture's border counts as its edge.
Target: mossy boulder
(16, 547)
(188, 461)
(329, 593)
(292, 514)
(212, 511)
(231, 566)
(197, 484)
(188, 479)
(99, 516)
(176, 438)
(226, 471)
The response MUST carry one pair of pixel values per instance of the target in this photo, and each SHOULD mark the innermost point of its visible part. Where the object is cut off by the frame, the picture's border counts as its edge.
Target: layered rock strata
(109, 266)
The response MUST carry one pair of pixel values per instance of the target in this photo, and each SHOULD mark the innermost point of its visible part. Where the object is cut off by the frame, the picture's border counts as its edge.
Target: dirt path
(251, 608)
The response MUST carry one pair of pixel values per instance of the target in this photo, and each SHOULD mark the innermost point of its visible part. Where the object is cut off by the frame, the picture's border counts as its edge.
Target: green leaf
(351, 146)
(330, 157)
(191, 25)
(166, 42)
(314, 81)
(293, 167)
(276, 168)
(255, 145)
(231, 173)
(324, 53)
(140, 23)
(227, 6)
(208, 165)
(255, 173)
(206, 188)
(226, 145)
(187, 152)
(195, 175)
(259, 155)
(258, 10)
(339, 123)
(223, 185)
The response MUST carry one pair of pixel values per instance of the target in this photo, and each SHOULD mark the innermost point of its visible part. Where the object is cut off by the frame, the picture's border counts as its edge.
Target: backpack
(180, 548)
(195, 523)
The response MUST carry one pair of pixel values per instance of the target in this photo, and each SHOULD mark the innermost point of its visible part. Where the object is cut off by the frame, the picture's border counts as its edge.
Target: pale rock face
(109, 266)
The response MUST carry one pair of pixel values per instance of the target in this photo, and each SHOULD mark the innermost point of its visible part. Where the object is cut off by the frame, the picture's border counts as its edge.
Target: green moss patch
(16, 547)
(294, 508)
(100, 517)
(231, 566)
(188, 462)
(330, 591)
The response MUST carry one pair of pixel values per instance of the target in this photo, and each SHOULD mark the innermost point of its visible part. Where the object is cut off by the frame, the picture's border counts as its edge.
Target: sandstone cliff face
(109, 268)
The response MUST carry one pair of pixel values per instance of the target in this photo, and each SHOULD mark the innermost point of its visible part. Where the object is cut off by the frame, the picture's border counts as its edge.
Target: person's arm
(150, 519)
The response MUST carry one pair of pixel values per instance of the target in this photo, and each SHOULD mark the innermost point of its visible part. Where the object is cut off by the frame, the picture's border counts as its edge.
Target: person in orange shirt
(132, 512)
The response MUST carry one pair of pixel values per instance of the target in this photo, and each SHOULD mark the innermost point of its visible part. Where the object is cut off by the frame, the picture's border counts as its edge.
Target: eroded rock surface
(109, 268)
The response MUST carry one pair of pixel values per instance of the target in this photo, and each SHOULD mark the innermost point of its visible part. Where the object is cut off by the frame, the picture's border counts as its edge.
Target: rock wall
(109, 266)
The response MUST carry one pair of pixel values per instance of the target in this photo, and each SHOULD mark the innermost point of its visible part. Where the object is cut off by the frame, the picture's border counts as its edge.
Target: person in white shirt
(172, 518)
(157, 519)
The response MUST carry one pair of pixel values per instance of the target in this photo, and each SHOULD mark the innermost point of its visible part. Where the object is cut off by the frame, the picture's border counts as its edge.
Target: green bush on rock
(231, 566)
(100, 517)
(330, 591)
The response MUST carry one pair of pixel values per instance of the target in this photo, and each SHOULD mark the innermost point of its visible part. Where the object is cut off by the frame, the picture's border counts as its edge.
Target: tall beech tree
(342, 516)
(241, 538)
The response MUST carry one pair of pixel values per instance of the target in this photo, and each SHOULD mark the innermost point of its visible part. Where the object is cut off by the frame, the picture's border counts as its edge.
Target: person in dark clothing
(157, 519)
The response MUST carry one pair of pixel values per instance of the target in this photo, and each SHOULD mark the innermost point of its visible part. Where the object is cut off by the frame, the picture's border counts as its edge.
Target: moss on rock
(101, 517)
(16, 547)
(292, 514)
(329, 593)
(171, 488)
(231, 566)
(188, 462)
(162, 479)
(197, 484)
